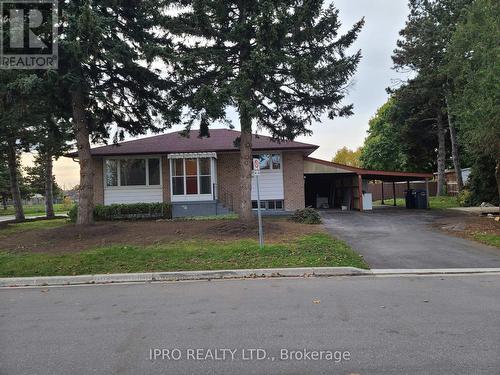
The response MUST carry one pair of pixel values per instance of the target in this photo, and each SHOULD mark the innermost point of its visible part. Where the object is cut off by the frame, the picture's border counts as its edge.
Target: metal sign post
(256, 173)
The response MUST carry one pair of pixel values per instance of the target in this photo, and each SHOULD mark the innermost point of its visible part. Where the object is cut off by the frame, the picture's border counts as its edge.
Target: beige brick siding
(165, 172)
(98, 181)
(293, 180)
(228, 179)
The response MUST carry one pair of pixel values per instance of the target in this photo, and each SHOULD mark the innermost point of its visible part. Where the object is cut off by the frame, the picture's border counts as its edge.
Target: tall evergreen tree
(4, 180)
(53, 136)
(422, 48)
(473, 61)
(106, 52)
(280, 63)
(19, 113)
(36, 180)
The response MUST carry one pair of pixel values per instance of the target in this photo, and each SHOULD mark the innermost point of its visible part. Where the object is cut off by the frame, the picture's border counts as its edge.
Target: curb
(180, 276)
(233, 274)
(433, 271)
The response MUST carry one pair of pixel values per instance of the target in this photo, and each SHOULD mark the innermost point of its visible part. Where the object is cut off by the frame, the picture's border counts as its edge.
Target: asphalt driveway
(399, 238)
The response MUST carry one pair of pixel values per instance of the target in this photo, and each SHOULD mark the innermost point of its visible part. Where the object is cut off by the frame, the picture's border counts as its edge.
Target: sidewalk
(28, 217)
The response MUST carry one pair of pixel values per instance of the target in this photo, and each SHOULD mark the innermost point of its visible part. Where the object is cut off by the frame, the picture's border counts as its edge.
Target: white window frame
(129, 157)
(194, 197)
(265, 203)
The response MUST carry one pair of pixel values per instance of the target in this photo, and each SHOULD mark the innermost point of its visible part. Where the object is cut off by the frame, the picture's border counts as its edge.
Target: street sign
(256, 167)
(256, 173)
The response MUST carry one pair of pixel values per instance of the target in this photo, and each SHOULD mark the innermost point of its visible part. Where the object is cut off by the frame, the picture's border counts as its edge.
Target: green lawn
(33, 210)
(29, 225)
(435, 202)
(488, 239)
(312, 250)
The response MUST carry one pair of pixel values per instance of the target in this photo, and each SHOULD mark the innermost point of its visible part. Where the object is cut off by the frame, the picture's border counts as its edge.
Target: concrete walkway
(399, 238)
(28, 217)
(478, 210)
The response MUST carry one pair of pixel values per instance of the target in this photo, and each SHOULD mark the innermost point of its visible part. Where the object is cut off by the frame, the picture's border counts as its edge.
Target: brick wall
(293, 180)
(228, 179)
(97, 164)
(165, 173)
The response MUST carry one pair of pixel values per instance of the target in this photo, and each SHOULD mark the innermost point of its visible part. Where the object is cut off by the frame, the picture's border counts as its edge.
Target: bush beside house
(306, 216)
(128, 211)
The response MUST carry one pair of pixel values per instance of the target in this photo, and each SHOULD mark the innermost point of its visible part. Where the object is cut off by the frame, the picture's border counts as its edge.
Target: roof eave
(306, 149)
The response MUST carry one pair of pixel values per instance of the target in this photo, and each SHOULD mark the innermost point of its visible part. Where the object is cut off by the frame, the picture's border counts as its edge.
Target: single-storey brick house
(200, 176)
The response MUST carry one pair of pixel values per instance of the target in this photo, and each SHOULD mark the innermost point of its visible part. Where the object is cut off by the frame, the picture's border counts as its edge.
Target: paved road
(400, 238)
(389, 325)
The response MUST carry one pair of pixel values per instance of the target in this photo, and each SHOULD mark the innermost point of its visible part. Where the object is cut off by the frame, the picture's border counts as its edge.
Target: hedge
(306, 216)
(132, 211)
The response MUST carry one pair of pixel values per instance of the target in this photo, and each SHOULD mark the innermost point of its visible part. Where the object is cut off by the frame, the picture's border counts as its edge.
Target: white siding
(133, 195)
(271, 185)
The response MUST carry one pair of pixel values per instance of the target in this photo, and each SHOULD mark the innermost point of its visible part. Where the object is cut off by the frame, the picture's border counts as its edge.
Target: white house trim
(193, 155)
(213, 178)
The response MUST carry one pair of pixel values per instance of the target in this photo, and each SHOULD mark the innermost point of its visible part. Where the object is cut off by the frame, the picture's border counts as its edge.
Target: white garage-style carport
(333, 185)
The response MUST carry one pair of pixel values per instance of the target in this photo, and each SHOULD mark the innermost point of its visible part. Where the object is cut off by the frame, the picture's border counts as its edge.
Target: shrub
(128, 211)
(67, 203)
(465, 198)
(73, 213)
(307, 216)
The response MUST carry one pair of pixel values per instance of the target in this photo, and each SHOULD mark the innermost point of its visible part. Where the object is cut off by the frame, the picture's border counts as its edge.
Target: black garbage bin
(421, 199)
(410, 198)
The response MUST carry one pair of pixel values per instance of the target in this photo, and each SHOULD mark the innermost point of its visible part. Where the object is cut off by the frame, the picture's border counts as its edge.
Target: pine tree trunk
(4, 201)
(86, 196)
(441, 157)
(14, 182)
(497, 175)
(49, 193)
(246, 213)
(455, 153)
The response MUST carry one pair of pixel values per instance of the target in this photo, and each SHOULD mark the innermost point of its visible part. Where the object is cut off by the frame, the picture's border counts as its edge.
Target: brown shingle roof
(220, 140)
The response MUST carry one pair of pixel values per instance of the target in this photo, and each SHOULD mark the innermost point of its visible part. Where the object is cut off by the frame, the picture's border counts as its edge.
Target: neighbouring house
(451, 179)
(200, 176)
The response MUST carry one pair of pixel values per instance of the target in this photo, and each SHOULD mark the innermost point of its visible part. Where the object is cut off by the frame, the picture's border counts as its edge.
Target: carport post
(383, 192)
(394, 192)
(427, 192)
(360, 192)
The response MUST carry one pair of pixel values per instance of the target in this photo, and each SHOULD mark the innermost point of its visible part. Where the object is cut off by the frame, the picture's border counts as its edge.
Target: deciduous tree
(349, 157)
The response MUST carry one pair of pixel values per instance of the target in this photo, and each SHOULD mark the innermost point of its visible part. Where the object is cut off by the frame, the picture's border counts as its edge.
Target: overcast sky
(383, 20)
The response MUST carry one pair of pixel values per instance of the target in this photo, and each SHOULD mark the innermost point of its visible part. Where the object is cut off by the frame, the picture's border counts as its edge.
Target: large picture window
(132, 172)
(268, 161)
(192, 176)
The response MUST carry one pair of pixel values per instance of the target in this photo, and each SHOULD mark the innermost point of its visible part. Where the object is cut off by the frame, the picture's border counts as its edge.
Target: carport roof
(371, 174)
